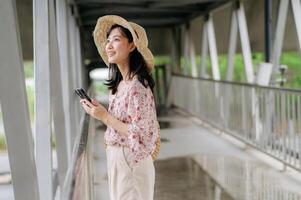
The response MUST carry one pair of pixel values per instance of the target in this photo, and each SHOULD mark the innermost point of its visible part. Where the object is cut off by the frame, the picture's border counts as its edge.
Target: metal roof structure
(147, 13)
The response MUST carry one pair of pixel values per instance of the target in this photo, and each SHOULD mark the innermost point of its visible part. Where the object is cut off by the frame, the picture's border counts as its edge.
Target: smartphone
(82, 94)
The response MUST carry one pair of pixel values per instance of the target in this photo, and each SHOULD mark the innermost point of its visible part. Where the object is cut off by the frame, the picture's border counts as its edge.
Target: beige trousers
(128, 182)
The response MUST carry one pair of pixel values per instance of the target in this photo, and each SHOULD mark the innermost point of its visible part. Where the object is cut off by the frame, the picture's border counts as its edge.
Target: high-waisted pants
(127, 181)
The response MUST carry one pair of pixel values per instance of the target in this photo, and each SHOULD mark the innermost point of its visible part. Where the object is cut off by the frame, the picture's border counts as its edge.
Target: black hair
(137, 66)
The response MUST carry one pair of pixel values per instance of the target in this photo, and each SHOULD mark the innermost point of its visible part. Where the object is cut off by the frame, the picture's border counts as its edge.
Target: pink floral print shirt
(134, 104)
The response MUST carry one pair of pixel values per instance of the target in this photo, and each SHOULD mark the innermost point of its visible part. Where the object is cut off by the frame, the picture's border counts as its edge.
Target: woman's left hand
(94, 109)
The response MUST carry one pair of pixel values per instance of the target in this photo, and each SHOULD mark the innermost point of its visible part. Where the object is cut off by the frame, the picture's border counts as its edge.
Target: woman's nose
(108, 45)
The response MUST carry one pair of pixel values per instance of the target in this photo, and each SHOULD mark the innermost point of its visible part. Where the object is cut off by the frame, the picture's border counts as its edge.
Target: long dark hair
(137, 66)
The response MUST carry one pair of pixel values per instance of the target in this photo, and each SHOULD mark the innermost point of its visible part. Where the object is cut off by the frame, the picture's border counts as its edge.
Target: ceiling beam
(130, 10)
(177, 3)
(146, 22)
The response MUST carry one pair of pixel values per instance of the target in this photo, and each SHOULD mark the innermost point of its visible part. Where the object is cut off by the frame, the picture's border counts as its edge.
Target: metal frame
(212, 48)
(203, 70)
(186, 50)
(245, 42)
(57, 97)
(232, 46)
(238, 23)
(43, 123)
(194, 72)
(208, 38)
(296, 7)
(279, 35)
(74, 71)
(63, 44)
(14, 106)
(281, 141)
(278, 39)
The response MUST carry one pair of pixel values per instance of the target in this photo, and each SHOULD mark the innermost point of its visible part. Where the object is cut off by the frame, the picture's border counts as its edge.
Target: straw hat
(138, 33)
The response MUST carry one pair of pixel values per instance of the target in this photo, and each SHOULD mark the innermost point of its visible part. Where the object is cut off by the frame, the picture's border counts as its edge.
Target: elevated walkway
(196, 162)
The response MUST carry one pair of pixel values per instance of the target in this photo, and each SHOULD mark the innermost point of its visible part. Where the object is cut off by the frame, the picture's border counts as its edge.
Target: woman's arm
(99, 112)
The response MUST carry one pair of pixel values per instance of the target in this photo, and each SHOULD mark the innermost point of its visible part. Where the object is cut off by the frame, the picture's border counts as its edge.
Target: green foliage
(28, 69)
(293, 74)
(2, 142)
(100, 88)
(291, 59)
(159, 60)
(30, 99)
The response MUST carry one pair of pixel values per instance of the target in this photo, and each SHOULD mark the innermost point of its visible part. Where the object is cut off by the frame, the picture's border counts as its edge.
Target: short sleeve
(142, 128)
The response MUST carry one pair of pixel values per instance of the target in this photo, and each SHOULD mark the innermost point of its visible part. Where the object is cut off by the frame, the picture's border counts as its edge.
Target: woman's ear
(132, 46)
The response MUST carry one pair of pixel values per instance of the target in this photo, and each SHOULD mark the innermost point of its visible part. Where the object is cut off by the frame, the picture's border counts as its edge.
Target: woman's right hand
(95, 109)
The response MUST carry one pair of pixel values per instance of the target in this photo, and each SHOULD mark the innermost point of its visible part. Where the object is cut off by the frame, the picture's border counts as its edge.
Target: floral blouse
(134, 104)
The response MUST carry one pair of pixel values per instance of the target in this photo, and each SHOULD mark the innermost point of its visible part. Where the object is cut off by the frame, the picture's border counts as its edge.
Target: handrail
(237, 83)
(266, 118)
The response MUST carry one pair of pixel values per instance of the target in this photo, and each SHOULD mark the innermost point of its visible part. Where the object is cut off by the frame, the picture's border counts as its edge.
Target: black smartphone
(82, 94)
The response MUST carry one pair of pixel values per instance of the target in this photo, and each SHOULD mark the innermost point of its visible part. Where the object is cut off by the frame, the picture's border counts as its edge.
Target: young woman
(131, 118)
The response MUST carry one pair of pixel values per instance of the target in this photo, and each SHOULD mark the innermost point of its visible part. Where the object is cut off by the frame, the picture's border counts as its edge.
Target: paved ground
(6, 189)
(196, 163)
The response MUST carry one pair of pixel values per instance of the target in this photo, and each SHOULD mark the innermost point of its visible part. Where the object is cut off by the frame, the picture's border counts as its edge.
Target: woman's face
(118, 48)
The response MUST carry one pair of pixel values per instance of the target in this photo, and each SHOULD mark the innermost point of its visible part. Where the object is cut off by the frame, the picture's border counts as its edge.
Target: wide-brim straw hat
(140, 40)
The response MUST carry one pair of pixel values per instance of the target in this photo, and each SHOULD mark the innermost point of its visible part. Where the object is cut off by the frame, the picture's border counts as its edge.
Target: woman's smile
(111, 53)
(117, 47)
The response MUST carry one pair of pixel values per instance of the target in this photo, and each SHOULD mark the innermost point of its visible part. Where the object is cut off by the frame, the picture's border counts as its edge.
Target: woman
(131, 117)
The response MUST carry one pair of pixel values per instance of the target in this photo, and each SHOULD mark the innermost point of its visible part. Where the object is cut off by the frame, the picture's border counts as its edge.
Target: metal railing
(266, 118)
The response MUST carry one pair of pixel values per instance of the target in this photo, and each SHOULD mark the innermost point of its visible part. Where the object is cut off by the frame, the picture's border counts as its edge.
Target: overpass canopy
(147, 13)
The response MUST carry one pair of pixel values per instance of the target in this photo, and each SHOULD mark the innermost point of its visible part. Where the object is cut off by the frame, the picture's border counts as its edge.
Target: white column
(194, 72)
(245, 43)
(75, 118)
(186, 51)
(232, 46)
(57, 98)
(42, 98)
(213, 49)
(14, 106)
(79, 57)
(296, 6)
(62, 33)
(203, 71)
(278, 39)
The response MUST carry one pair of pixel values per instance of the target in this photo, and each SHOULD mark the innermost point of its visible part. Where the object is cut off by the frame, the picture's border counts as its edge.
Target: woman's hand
(94, 109)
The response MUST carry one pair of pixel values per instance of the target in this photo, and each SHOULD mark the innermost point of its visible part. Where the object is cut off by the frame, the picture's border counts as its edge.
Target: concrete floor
(197, 163)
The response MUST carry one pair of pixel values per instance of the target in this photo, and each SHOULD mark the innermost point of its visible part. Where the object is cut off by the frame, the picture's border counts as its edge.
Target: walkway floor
(197, 163)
